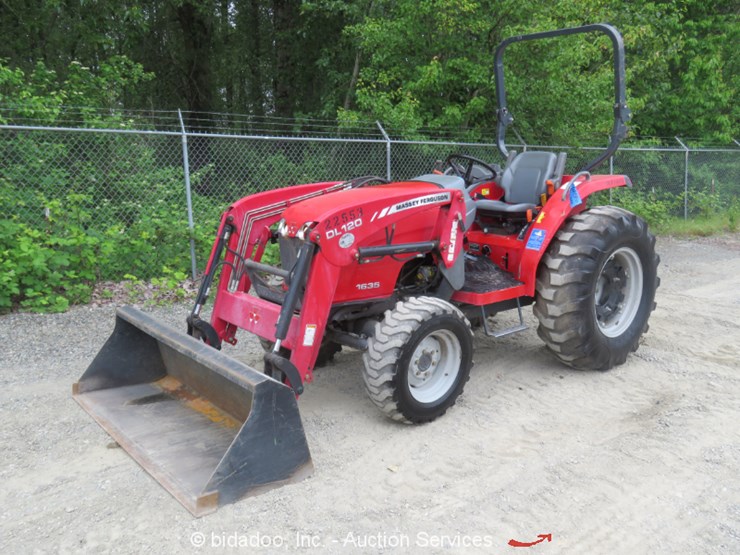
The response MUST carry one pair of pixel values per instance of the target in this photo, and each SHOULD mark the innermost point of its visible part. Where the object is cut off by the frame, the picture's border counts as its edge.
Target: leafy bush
(53, 261)
(47, 267)
(708, 212)
(653, 207)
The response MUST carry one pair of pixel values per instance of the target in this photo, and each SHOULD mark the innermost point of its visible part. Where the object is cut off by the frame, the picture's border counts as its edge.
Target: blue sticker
(574, 197)
(536, 239)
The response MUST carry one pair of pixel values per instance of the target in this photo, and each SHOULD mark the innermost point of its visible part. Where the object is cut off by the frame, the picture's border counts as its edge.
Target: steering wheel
(467, 174)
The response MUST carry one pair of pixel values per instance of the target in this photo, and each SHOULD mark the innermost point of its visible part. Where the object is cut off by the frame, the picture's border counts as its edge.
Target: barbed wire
(237, 124)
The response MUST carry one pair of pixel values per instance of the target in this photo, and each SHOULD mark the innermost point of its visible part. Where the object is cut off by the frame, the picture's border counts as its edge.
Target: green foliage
(430, 64)
(170, 280)
(47, 267)
(708, 212)
(271, 254)
(654, 208)
(694, 82)
(161, 290)
(41, 95)
(70, 229)
(415, 64)
(87, 209)
(722, 222)
(711, 216)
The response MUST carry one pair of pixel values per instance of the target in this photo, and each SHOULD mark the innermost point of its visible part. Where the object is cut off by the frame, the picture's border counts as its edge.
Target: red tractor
(403, 271)
(399, 270)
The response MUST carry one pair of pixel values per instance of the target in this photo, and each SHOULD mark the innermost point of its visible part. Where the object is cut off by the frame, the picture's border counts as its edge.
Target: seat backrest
(525, 178)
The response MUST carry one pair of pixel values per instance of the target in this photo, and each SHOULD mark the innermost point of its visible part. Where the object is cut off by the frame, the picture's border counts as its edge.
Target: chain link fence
(128, 188)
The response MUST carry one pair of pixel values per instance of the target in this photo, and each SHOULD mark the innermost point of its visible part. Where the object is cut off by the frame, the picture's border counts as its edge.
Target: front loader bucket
(209, 428)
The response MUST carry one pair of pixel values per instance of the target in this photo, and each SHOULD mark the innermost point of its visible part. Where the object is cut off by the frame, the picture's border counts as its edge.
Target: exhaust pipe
(208, 428)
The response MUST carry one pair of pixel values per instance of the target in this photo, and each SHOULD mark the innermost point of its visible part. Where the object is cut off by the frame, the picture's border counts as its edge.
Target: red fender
(551, 219)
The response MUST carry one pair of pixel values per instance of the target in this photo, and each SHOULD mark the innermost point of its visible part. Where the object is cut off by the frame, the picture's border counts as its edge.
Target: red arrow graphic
(543, 537)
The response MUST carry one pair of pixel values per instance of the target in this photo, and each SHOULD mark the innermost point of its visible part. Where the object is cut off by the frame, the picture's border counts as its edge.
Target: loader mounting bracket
(200, 329)
(274, 360)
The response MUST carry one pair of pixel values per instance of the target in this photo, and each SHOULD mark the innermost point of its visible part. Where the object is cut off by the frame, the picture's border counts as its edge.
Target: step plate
(484, 276)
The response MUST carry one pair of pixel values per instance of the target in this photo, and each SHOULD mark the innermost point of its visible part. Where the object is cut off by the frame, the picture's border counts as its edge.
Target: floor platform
(484, 276)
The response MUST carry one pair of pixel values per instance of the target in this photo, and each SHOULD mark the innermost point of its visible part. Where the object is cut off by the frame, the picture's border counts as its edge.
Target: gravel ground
(642, 459)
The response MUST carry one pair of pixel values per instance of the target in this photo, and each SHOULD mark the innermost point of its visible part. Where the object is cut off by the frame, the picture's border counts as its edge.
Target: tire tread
(385, 346)
(562, 295)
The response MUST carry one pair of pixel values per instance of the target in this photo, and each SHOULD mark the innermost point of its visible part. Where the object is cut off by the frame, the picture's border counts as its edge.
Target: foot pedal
(508, 331)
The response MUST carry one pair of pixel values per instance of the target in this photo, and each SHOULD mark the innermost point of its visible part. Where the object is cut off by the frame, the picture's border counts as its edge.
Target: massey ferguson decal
(427, 200)
(453, 241)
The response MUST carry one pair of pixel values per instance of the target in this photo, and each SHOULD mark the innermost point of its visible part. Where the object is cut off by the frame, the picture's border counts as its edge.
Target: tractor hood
(350, 208)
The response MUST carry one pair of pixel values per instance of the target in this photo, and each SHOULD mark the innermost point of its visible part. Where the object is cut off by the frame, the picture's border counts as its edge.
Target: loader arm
(347, 250)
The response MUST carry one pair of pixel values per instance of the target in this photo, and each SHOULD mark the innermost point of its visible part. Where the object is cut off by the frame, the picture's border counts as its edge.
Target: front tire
(596, 288)
(418, 359)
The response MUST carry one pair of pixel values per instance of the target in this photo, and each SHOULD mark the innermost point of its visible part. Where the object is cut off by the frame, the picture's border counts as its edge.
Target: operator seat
(524, 180)
(452, 182)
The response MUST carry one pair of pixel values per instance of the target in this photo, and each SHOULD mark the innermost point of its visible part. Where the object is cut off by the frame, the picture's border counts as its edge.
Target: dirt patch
(642, 459)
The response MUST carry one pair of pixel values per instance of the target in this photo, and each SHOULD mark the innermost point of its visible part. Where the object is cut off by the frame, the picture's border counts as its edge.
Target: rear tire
(418, 360)
(596, 288)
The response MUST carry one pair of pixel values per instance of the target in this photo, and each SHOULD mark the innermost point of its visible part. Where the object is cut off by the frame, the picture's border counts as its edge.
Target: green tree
(429, 64)
(415, 64)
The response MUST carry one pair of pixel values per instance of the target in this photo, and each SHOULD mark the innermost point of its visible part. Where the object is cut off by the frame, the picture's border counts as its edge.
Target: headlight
(282, 228)
(305, 229)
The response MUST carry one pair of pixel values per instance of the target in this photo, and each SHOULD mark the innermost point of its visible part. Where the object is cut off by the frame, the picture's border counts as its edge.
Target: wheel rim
(618, 292)
(434, 366)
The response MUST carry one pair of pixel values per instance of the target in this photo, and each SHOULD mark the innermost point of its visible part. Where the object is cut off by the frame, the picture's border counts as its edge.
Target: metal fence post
(685, 181)
(188, 197)
(521, 140)
(611, 172)
(387, 150)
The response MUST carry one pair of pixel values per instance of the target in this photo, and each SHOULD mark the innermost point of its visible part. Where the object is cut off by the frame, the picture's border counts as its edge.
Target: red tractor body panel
(341, 222)
(338, 220)
(550, 220)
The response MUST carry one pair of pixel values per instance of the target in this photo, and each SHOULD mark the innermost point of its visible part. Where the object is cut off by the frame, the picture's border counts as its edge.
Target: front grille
(271, 287)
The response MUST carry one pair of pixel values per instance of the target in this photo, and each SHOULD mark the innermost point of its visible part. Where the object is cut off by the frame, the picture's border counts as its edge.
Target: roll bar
(621, 111)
